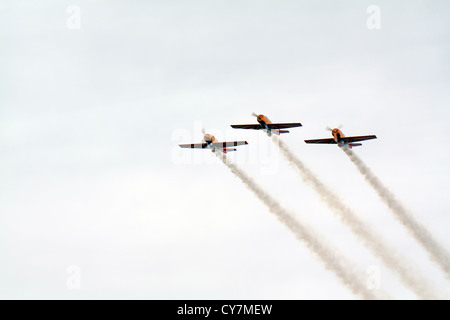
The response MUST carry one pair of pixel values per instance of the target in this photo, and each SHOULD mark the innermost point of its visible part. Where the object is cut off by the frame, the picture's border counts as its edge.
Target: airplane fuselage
(264, 121)
(337, 135)
(268, 126)
(209, 140)
(341, 140)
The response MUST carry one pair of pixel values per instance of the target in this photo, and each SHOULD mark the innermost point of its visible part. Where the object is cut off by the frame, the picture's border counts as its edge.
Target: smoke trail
(435, 250)
(372, 240)
(330, 257)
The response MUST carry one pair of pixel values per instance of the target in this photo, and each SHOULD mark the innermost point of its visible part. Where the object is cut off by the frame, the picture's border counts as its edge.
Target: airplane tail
(351, 145)
(225, 150)
(278, 131)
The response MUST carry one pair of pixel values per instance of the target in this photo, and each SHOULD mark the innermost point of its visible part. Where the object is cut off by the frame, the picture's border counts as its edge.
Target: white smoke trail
(435, 250)
(332, 259)
(370, 239)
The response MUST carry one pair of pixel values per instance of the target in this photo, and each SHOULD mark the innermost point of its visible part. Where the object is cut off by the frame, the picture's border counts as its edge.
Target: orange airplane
(267, 125)
(210, 142)
(341, 140)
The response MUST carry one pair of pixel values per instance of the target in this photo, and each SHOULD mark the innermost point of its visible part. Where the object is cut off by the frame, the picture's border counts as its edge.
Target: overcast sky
(96, 95)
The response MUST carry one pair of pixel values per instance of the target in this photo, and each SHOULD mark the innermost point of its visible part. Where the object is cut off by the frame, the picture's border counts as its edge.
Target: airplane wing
(283, 125)
(228, 144)
(359, 138)
(247, 126)
(194, 145)
(326, 141)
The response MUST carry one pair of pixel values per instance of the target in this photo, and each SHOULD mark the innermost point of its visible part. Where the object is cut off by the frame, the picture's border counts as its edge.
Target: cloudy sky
(97, 200)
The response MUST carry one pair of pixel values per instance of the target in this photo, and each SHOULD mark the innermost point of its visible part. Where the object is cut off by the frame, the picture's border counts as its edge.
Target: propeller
(254, 114)
(204, 132)
(329, 129)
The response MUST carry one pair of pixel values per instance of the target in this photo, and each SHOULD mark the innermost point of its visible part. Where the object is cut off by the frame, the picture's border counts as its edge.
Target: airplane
(341, 140)
(210, 142)
(267, 125)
